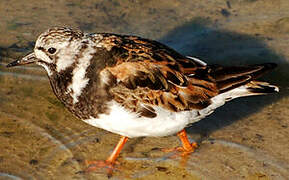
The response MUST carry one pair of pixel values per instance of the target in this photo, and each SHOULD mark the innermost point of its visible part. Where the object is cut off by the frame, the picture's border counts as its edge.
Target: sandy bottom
(245, 139)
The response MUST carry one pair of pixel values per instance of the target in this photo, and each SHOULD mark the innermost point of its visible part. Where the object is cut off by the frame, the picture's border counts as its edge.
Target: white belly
(123, 122)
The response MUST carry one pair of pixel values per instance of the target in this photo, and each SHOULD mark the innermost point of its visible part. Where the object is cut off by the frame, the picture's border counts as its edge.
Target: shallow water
(245, 139)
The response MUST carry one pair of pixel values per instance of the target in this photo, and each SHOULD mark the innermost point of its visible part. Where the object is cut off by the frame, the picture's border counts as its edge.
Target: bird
(137, 87)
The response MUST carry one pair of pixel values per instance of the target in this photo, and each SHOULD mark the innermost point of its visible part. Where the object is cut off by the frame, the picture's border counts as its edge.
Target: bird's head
(56, 49)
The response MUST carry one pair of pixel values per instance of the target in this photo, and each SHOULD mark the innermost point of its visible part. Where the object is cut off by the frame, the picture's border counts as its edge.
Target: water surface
(245, 139)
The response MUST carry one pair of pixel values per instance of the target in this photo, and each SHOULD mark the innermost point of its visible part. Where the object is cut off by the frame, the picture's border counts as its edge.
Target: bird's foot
(109, 164)
(184, 150)
(100, 166)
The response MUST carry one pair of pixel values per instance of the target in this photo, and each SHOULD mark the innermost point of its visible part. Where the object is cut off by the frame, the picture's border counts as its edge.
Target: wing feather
(150, 74)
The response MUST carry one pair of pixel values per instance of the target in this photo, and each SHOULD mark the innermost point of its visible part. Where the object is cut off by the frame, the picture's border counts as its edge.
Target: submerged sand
(245, 139)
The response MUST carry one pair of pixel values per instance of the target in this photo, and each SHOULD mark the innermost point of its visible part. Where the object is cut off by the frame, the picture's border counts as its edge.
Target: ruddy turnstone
(137, 87)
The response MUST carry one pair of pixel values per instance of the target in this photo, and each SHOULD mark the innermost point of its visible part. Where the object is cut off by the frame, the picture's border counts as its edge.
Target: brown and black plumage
(153, 74)
(137, 87)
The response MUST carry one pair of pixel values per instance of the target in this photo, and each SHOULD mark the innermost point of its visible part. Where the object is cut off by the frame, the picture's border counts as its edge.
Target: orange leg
(117, 150)
(187, 146)
(94, 165)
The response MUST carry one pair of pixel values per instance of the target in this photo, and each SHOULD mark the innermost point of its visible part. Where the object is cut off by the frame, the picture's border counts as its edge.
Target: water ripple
(24, 76)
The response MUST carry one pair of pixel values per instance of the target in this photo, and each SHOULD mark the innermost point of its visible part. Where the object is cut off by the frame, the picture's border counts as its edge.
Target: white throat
(49, 72)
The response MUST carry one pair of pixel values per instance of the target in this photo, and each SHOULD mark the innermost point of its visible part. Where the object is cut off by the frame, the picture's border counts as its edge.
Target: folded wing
(150, 74)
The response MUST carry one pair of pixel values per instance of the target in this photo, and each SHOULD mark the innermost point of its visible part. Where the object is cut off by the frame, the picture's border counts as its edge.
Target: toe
(100, 167)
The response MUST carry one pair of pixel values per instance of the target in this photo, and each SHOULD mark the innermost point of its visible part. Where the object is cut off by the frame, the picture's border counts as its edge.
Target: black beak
(30, 58)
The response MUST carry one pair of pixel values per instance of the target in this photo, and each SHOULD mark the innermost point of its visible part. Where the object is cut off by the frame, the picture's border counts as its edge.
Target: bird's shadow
(201, 38)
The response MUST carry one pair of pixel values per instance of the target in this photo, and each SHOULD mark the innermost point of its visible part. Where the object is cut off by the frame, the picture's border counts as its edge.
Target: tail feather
(250, 89)
(258, 87)
(232, 83)
(228, 78)
(224, 73)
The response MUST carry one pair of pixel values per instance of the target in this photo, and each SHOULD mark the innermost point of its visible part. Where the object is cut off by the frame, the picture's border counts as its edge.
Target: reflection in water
(24, 76)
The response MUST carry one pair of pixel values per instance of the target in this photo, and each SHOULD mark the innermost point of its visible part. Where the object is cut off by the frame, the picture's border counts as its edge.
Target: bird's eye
(51, 50)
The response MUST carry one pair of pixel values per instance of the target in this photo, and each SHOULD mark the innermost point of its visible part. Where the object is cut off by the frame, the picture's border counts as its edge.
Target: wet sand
(245, 139)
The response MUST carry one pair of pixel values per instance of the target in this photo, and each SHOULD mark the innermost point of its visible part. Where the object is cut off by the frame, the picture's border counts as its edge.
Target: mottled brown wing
(134, 49)
(142, 85)
(149, 73)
